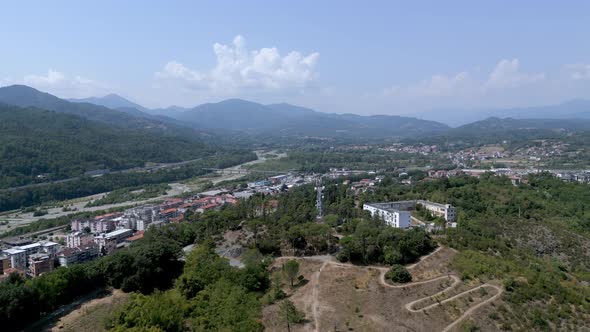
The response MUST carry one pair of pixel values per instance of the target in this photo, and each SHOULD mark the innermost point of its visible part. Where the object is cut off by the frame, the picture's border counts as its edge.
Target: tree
(202, 268)
(224, 306)
(254, 227)
(290, 314)
(398, 273)
(291, 269)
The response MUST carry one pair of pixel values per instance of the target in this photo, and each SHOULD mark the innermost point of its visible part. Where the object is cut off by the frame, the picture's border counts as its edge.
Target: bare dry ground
(343, 297)
(91, 315)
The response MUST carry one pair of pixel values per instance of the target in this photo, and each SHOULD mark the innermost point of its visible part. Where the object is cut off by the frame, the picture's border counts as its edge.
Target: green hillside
(38, 145)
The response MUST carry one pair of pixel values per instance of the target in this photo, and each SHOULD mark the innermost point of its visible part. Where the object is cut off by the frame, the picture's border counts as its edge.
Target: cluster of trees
(85, 186)
(210, 295)
(372, 241)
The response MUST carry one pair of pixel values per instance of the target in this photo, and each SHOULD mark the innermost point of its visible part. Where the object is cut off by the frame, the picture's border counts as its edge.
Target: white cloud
(435, 86)
(238, 68)
(507, 74)
(52, 78)
(60, 84)
(578, 71)
(177, 70)
(440, 86)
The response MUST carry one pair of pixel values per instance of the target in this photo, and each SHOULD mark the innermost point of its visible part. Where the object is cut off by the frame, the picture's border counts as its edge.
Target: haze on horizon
(383, 58)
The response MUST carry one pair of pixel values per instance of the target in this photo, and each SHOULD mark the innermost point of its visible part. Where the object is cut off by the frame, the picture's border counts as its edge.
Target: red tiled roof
(137, 236)
(209, 206)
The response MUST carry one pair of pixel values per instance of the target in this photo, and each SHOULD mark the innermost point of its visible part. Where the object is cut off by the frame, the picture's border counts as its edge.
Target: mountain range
(284, 119)
(236, 118)
(228, 114)
(572, 109)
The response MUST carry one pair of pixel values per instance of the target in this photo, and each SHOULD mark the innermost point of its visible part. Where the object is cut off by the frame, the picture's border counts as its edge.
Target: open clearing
(91, 315)
(344, 297)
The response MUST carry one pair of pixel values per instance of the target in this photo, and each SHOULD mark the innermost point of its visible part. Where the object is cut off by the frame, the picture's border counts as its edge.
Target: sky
(369, 57)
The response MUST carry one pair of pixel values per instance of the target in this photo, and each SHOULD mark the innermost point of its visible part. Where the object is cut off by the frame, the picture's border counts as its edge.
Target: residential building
(40, 263)
(391, 215)
(94, 225)
(18, 258)
(446, 211)
(49, 247)
(391, 212)
(81, 254)
(4, 263)
(77, 239)
(108, 242)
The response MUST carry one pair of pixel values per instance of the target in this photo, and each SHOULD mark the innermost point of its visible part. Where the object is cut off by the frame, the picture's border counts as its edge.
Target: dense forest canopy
(38, 146)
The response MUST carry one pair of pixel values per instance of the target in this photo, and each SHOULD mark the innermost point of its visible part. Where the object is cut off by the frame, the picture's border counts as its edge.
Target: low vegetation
(398, 274)
(131, 194)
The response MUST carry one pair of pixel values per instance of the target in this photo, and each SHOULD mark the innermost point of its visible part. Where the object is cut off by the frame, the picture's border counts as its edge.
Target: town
(90, 238)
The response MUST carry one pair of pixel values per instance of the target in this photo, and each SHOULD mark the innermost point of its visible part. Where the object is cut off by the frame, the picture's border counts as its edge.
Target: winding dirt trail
(329, 260)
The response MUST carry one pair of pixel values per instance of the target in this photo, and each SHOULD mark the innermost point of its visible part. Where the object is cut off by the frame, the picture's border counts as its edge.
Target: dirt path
(329, 260)
(315, 301)
(470, 311)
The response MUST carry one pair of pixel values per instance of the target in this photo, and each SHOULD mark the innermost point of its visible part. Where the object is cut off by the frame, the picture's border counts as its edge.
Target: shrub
(398, 273)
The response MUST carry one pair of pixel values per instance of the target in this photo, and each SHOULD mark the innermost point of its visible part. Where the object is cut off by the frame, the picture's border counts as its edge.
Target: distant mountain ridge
(499, 124)
(112, 101)
(290, 120)
(282, 119)
(572, 109)
(234, 117)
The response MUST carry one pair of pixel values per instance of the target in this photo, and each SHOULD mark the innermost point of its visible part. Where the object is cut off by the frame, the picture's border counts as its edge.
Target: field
(343, 297)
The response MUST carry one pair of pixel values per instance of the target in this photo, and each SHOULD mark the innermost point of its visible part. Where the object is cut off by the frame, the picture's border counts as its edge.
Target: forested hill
(495, 130)
(494, 124)
(40, 145)
(25, 96)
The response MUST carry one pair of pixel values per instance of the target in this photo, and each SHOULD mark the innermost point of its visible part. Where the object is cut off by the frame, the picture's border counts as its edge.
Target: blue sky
(367, 57)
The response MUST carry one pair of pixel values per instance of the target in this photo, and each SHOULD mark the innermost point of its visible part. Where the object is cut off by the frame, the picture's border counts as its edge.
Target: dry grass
(92, 314)
(351, 298)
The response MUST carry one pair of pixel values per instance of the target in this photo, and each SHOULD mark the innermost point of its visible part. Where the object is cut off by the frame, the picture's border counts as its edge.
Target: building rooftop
(38, 256)
(137, 236)
(13, 251)
(117, 232)
(31, 246)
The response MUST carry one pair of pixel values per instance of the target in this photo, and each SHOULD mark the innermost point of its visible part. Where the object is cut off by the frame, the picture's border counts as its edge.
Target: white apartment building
(397, 213)
(18, 258)
(393, 217)
(447, 211)
(109, 241)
